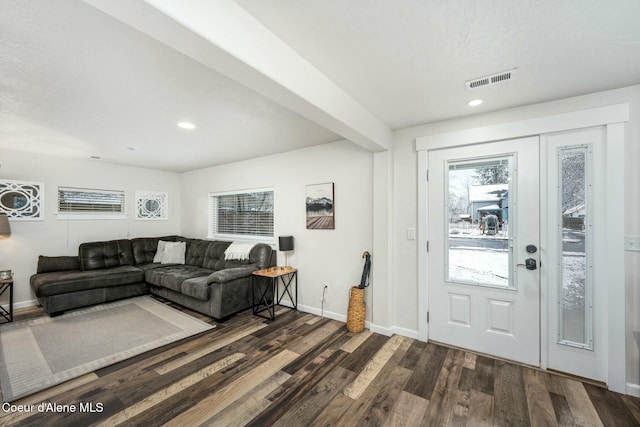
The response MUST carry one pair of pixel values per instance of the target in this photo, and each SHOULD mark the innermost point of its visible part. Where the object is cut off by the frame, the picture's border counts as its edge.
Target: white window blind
(247, 214)
(88, 201)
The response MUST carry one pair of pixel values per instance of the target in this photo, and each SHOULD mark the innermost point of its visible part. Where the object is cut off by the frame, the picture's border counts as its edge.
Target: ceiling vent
(491, 80)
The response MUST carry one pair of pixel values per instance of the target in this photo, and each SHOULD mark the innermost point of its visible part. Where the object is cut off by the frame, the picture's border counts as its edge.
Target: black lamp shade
(285, 243)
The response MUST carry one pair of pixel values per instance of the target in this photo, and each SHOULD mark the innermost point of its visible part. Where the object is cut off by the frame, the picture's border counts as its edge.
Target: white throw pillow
(160, 251)
(174, 253)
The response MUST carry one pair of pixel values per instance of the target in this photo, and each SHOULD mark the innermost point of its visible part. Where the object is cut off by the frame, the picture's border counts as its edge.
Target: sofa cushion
(145, 267)
(57, 263)
(214, 255)
(172, 276)
(98, 255)
(61, 282)
(196, 252)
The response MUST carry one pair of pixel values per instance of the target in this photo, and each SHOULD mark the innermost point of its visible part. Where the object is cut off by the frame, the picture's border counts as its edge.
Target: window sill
(243, 238)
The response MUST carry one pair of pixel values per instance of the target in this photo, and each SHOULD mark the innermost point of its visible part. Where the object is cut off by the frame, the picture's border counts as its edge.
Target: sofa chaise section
(102, 272)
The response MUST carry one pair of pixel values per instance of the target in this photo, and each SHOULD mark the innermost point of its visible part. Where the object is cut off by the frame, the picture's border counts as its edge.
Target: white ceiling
(407, 61)
(76, 80)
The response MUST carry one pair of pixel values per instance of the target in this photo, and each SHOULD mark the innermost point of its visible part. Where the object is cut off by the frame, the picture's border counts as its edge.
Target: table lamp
(285, 244)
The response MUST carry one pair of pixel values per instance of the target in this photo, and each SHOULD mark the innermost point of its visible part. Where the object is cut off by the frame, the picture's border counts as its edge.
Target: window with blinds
(84, 201)
(241, 215)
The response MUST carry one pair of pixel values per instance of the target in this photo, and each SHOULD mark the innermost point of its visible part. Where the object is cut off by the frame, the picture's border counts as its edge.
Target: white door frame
(613, 118)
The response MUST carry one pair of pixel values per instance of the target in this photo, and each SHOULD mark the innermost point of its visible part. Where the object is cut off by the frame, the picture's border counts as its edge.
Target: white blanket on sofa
(238, 251)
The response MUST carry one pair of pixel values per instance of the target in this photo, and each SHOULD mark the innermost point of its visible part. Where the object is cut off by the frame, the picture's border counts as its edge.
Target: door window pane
(478, 221)
(575, 307)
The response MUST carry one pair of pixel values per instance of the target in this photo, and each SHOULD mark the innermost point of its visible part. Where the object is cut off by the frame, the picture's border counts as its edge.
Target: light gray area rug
(39, 353)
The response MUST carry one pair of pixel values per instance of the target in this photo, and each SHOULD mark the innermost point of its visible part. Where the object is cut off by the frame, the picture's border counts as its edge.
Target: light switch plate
(411, 233)
(632, 243)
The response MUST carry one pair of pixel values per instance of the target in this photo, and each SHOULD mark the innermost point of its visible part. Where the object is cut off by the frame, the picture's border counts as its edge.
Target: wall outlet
(632, 243)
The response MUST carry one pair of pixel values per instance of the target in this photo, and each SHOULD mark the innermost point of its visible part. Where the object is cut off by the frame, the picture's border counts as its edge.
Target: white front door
(484, 240)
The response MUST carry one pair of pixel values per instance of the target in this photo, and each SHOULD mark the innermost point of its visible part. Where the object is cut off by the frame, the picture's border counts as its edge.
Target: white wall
(51, 236)
(330, 257)
(405, 279)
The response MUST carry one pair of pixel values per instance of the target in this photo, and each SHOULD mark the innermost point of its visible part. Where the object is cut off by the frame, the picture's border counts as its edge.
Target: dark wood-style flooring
(305, 370)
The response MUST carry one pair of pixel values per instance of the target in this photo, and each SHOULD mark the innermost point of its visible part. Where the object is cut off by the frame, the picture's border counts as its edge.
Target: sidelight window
(574, 266)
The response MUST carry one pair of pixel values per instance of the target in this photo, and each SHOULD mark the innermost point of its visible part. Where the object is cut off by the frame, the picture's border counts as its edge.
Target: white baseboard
(313, 310)
(633, 389)
(22, 304)
(409, 333)
(383, 330)
(394, 330)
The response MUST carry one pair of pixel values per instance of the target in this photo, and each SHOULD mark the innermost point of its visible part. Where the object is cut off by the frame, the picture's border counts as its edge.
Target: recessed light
(475, 102)
(186, 125)
(96, 157)
(131, 148)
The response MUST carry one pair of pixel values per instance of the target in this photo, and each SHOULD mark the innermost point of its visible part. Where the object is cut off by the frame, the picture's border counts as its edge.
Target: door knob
(529, 264)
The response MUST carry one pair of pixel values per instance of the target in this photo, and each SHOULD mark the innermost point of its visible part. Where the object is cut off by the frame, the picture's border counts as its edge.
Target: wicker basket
(357, 308)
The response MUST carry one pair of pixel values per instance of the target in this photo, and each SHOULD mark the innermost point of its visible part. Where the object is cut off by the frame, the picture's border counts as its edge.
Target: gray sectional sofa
(117, 269)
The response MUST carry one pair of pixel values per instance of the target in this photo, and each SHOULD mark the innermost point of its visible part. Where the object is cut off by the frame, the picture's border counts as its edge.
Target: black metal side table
(268, 296)
(6, 285)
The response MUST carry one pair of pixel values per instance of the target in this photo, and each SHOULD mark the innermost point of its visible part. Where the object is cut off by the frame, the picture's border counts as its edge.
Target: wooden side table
(6, 285)
(269, 296)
